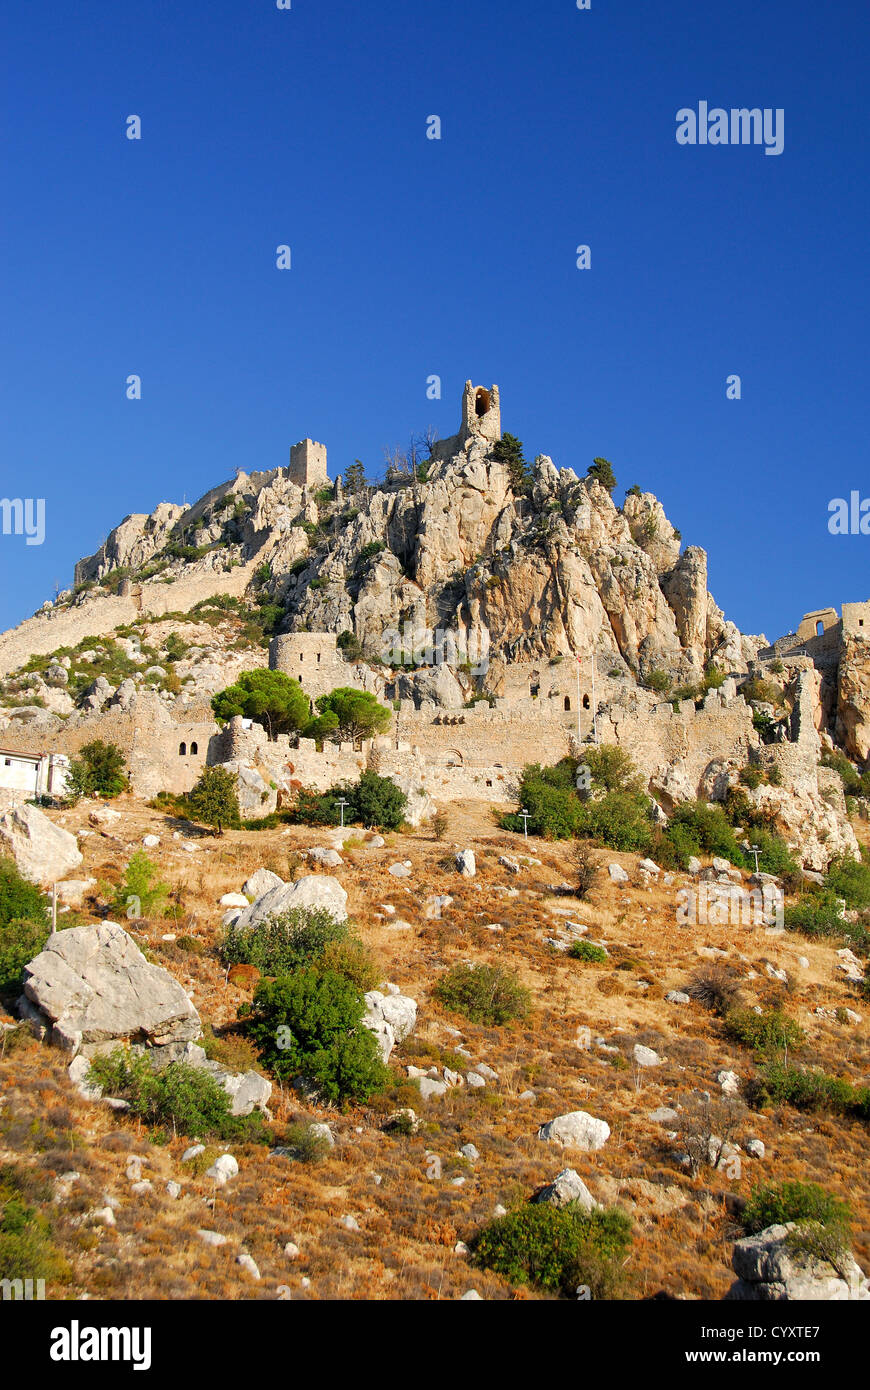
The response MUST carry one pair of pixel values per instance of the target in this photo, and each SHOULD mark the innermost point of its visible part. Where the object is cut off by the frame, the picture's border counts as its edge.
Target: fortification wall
(96, 616)
(150, 739)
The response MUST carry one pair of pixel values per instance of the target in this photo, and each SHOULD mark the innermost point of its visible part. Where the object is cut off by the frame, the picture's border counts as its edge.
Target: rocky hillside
(620, 1047)
(548, 568)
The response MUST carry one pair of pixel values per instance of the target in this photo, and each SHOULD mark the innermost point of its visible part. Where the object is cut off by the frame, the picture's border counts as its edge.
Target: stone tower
(481, 414)
(308, 464)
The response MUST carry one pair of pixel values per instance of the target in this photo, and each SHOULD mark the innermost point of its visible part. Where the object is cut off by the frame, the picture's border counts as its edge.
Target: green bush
(310, 1023)
(99, 770)
(557, 1249)
(138, 893)
(285, 942)
(483, 993)
(850, 880)
(587, 950)
(26, 1249)
(770, 1031)
(183, 1098)
(375, 801)
(611, 768)
(550, 797)
(658, 681)
(817, 913)
(307, 1144)
(19, 943)
(214, 800)
(766, 692)
(696, 828)
(775, 1204)
(620, 820)
(782, 1084)
(19, 898)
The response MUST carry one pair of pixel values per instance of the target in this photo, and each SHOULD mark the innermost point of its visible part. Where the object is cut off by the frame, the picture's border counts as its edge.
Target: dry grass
(408, 1223)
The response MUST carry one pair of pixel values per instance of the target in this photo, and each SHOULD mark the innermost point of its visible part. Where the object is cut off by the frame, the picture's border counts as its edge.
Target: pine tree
(354, 477)
(603, 473)
(509, 450)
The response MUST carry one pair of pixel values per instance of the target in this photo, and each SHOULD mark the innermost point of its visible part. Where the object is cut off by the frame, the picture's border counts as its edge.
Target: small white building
(33, 774)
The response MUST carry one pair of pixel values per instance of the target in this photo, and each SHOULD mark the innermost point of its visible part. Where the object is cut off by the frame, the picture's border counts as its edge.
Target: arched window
(193, 750)
(585, 701)
(182, 750)
(820, 627)
(567, 702)
(481, 401)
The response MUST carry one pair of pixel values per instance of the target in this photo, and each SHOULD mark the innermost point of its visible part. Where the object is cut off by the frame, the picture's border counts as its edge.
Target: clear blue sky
(413, 257)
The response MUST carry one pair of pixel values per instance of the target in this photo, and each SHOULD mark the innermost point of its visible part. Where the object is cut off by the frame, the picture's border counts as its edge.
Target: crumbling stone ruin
(503, 622)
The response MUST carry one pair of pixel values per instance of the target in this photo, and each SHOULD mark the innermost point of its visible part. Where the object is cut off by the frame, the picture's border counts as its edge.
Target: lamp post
(753, 849)
(525, 815)
(341, 805)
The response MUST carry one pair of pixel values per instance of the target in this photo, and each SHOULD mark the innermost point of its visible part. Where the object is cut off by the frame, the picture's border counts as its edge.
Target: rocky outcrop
(853, 700)
(311, 891)
(92, 985)
(43, 851)
(770, 1268)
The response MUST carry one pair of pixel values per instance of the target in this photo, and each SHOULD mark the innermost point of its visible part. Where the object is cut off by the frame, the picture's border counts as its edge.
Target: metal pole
(594, 706)
(578, 702)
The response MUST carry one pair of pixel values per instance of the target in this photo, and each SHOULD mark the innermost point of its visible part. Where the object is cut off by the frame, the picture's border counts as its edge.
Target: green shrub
(98, 770)
(557, 1249)
(770, 1031)
(19, 943)
(697, 828)
(186, 1099)
(587, 950)
(307, 1144)
(850, 880)
(782, 1084)
(26, 1249)
(775, 1204)
(611, 768)
(775, 857)
(19, 898)
(766, 692)
(214, 800)
(620, 820)
(483, 993)
(311, 1023)
(284, 942)
(658, 680)
(138, 893)
(816, 913)
(550, 797)
(375, 801)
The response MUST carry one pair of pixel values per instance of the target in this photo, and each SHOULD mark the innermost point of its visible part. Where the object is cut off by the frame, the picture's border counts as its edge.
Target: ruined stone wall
(96, 616)
(149, 739)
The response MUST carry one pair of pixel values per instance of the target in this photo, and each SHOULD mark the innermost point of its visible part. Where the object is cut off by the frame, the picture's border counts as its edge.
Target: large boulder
(314, 890)
(92, 986)
(259, 883)
(391, 1017)
(770, 1270)
(576, 1130)
(43, 851)
(567, 1188)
